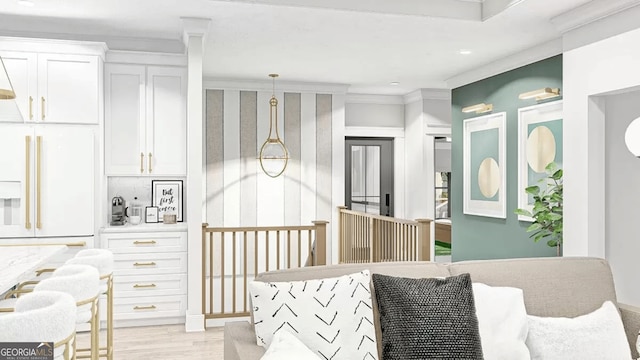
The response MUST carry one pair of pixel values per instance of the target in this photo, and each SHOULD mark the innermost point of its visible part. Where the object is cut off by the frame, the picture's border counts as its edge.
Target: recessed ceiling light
(394, 83)
(27, 3)
(464, 52)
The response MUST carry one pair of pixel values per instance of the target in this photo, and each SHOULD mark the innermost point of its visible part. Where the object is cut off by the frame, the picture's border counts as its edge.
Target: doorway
(369, 175)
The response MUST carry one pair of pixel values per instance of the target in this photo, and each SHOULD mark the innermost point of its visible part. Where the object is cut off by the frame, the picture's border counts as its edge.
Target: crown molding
(427, 94)
(374, 131)
(526, 57)
(42, 44)
(267, 85)
(145, 58)
(590, 12)
(374, 99)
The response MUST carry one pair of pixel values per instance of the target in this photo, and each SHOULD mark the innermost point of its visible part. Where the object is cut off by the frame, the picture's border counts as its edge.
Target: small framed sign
(151, 214)
(166, 195)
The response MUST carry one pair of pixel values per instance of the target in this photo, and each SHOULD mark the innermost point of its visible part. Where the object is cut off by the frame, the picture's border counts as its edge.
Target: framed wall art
(539, 143)
(167, 196)
(151, 214)
(485, 166)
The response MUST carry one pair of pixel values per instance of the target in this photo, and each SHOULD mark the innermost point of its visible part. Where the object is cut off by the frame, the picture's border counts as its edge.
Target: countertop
(144, 227)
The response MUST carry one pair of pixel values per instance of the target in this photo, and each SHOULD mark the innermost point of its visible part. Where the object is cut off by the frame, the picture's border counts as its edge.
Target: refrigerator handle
(38, 181)
(27, 180)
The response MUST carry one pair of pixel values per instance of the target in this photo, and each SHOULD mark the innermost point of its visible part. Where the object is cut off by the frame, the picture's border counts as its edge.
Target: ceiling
(364, 43)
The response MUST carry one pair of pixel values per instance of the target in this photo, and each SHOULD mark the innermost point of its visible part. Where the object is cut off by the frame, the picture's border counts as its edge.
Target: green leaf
(552, 243)
(551, 168)
(533, 190)
(554, 216)
(557, 175)
(523, 212)
(533, 227)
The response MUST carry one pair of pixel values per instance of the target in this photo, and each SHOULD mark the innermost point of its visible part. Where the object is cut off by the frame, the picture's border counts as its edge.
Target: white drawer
(149, 285)
(145, 242)
(150, 264)
(149, 307)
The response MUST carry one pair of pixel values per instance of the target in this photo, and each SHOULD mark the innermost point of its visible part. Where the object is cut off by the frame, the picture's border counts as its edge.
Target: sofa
(552, 287)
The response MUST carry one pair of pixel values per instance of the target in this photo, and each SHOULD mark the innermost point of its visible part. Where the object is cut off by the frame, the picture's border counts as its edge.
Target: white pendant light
(6, 89)
(274, 156)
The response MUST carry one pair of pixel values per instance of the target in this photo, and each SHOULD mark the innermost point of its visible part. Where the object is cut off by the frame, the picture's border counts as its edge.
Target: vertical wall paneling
(308, 158)
(214, 157)
(231, 147)
(248, 158)
(323, 158)
(292, 179)
(338, 155)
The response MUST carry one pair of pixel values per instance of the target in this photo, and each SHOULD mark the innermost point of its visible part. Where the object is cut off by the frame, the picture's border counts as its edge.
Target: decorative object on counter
(274, 156)
(151, 214)
(118, 211)
(6, 88)
(134, 212)
(169, 218)
(167, 196)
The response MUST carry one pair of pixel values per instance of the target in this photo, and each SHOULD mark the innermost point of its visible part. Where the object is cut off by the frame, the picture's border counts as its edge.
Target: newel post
(321, 243)
(341, 232)
(424, 240)
(204, 265)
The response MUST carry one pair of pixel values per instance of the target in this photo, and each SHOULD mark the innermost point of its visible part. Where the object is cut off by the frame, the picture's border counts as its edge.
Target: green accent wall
(478, 237)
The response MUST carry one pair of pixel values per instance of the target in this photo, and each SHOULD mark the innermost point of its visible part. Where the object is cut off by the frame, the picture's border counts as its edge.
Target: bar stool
(82, 282)
(102, 260)
(46, 316)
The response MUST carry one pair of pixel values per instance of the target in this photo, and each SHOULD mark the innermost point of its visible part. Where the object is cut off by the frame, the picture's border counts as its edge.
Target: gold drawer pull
(77, 244)
(138, 286)
(137, 242)
(151, 307)
(152, 263)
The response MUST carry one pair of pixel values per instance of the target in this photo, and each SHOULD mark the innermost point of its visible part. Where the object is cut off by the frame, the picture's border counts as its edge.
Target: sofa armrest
(631, 320)
(240, 342)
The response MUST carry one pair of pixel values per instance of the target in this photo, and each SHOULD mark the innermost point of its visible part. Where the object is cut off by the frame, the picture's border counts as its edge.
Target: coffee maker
(118, 211)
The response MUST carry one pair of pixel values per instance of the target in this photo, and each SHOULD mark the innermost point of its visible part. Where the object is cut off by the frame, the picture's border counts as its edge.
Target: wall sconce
(541, 94)
(274, 156)
(478, 108)
(6, 89)
(632, 137)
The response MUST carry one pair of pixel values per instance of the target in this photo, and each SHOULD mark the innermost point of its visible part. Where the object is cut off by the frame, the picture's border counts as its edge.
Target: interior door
(64, 184)
(16, 181)
(369, 175)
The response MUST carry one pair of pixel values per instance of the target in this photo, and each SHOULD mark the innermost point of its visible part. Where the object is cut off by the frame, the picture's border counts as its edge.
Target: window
(443, 192)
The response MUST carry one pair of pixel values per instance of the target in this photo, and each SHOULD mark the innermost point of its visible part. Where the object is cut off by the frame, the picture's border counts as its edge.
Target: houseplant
(547, 208)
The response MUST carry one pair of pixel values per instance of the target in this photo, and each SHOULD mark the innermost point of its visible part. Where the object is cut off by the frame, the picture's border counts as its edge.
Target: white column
(194, 33)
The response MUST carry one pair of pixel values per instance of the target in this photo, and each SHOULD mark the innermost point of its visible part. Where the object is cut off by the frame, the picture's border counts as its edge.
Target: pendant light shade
(274, 155)
(6, 89)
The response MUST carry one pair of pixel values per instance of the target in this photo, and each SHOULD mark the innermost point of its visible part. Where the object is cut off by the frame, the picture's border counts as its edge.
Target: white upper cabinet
(145, 120)
(53, 88)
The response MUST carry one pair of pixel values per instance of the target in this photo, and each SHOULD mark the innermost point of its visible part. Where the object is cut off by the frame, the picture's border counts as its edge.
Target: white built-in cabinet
(145, 120)
(46, 181)
(53, 88)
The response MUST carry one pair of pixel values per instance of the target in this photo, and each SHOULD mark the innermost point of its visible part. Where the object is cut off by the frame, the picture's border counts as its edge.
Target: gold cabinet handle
(141, 163)
(152, 263)
(38, 181)
(151, 307)
(27, 177)
(150, 163)
(77, 244)
(30, 108)
(42, 103)
(139, 286)
(138, 242)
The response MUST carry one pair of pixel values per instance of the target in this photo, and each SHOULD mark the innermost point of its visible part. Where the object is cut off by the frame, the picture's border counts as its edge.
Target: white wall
(622, 196)
(443, 157)
(590, 72)
(374, 115)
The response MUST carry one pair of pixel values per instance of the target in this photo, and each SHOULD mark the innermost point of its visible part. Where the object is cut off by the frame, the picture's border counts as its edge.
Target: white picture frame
(485, 166)
(529, 118)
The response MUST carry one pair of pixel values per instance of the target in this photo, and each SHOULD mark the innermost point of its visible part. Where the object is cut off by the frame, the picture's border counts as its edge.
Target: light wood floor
(168, 342)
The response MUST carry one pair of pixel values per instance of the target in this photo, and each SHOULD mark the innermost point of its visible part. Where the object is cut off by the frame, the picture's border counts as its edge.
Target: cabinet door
(22, 69)
(125, 115)
(166, 121)
(64, 180)
(68, 88)
(16, 181)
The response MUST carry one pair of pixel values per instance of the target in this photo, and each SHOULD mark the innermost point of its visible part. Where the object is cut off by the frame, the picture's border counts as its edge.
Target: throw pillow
(333, 317)
(502, 320)
(598, 335)
(285, 346)
(427, 318)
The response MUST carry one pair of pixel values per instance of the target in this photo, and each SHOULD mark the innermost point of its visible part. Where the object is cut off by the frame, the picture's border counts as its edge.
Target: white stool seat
(46, 316)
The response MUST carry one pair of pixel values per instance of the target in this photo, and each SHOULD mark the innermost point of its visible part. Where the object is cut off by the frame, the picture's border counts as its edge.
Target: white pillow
(599, 336)
(502, 321)
(285, 346)
(333, 317)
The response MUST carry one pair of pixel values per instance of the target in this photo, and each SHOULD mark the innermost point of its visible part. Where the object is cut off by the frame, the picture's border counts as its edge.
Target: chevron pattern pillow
(427, 318)
(333, 317)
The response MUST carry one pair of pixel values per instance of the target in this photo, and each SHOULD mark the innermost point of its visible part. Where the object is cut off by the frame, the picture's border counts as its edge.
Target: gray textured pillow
(427, 318)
